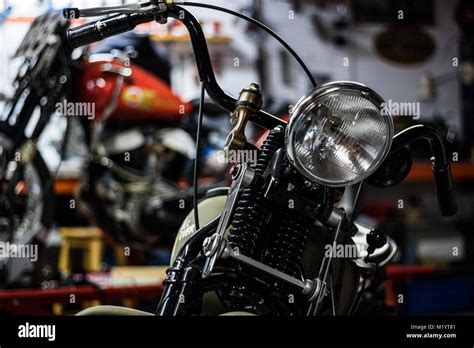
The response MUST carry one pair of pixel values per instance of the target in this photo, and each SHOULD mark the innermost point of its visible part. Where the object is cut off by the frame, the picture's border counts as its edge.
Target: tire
(44, 178)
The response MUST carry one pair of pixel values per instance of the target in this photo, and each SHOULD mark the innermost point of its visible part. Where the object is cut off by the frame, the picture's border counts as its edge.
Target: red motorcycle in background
(139, 135)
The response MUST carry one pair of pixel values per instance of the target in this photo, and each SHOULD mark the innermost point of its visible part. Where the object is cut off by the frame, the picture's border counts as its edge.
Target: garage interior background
(338, 40)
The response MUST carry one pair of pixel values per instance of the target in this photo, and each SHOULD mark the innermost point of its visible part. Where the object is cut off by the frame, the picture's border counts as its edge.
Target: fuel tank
(209, 208)
(140, 97)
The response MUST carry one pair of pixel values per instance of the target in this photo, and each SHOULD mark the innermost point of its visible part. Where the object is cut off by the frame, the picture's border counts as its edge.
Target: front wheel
(26, 201)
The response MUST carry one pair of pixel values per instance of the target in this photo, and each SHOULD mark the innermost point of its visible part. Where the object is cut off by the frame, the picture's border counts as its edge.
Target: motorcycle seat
(124, 311)
(112, 311)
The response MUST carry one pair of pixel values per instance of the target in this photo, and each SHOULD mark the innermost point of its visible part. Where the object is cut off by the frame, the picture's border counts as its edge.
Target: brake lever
(140, 7)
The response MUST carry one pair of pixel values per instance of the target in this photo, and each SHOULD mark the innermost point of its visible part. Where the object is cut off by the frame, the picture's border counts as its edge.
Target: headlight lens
(339, 134)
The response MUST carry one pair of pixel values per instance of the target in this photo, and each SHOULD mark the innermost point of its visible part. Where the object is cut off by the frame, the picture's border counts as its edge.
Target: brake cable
(197, 157)
(261, 26)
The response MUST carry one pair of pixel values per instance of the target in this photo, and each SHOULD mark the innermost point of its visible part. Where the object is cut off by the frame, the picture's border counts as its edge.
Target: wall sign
(405, 45)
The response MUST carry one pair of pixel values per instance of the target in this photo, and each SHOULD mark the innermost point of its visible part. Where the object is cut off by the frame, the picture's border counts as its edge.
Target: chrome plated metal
(379, 257)
(309, 101)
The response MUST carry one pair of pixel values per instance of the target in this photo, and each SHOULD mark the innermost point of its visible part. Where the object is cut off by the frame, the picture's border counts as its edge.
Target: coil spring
(251, 211)
(286, 245)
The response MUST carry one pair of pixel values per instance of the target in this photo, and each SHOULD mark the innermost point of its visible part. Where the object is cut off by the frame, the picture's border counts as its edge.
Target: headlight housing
(339, 134)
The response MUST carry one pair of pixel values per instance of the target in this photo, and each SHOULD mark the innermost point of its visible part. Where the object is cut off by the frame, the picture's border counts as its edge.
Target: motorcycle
(138, 133)
(270, 244)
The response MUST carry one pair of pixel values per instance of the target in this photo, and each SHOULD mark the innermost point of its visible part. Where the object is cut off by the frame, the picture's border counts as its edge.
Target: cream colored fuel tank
(209, 209)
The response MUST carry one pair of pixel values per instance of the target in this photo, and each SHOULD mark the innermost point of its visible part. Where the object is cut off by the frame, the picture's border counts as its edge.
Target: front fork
(182, 286)
(182, 277)
(179, 291)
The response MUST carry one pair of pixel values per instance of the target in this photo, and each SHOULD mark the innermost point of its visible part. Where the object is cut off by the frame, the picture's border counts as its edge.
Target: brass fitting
(248, 104)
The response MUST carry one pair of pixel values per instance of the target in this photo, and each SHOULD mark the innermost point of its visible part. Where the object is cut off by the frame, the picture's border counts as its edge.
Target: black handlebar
(103, 28)
(440, 164)
(445, 191)
(206, 72)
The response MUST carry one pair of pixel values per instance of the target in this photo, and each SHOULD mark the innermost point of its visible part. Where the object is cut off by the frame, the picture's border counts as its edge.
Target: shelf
(38, 301)
(421, 171)
(65, 187)
(407, 271)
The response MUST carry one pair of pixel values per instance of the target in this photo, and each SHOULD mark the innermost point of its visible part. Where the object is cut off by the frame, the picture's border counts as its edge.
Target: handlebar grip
(445, 190)
(95, 31)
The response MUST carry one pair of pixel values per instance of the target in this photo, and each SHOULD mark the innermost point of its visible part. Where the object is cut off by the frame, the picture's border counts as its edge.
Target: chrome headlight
(339, 134)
